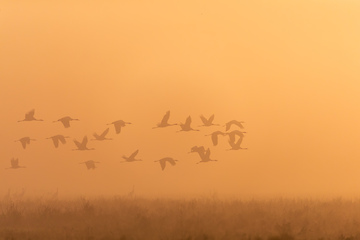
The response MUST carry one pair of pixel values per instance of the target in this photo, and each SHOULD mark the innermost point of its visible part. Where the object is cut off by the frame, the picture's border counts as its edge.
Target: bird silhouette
(215, 136)
(66, 121)
(15, 164)
(186, 126)
(236, 145)
(233, 122)
(82, 146)
(200, 150)
(132, 158)
(58, 138)
(204, 155)
(118, 125)
(164, 160)
(208, 122)
(29, 116)
(102, 136)
(164, 121)
(90, 164)
(25, 141)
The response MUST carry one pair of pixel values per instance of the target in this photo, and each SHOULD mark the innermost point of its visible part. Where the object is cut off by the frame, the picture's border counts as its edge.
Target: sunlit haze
(290, 70)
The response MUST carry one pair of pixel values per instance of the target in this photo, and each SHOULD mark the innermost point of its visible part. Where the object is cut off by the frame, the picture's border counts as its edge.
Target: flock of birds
(235, 138)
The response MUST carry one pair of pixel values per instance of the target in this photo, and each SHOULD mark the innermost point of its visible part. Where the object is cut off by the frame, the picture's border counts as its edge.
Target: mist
(288, 70)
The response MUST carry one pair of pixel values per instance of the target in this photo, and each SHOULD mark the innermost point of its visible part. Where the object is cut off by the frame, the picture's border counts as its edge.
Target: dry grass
(136, 218)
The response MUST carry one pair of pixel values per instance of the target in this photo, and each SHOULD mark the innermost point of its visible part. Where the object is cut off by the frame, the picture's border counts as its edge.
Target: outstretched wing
(203, 119)
(134, 154)
(239, 141)
(65, 122)
(239, 124)
(84, 141)
(117, 127)
(214, 138)
(55, 141)
(165, 118)
(171, 161)
(207, 154)
(211, 118)
(188, 121)
(14, 162)
(62, 139)
(104, 133)
(30, 114)
(77, 143)
(23, 143)
(162, 164)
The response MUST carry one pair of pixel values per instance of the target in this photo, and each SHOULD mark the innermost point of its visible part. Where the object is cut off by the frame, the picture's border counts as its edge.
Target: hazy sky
(289, 69)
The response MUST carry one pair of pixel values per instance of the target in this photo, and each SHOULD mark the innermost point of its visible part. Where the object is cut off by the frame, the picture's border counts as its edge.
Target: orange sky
(289, 69)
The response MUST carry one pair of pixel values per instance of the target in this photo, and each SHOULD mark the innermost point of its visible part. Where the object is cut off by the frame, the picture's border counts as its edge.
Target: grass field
(203, 218)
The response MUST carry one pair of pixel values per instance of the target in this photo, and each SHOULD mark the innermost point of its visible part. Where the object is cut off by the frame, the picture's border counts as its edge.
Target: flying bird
(82, 146)
(186, 127)
(164, 160)
(90, 164)
(236, 145)
(200, 150)
(164, 121)
(66, 121)
(102, 136)
(58, 138)
(132, 158)
(29, 116)
(233, 122)
(204, 155)
(215, 136)
(25, 141)
(208, 122)
(235, 133)
(118, 125)
(15, 164)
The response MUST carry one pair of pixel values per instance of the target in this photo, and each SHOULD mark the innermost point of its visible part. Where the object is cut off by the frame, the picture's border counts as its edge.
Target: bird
(234, 133)
(200, 150)
(82, 146)
(29, 116)
(24, 141)
(236, 145)
(132, 158)
(102, 136)
(204, 155)
(214, 136)
(233, 122)
(164, 121)
(164, 160)
(58, 138)
(15, 164)
(90, 164)
(66, 121)
(208, 122)
(186, 127)
(118, 125)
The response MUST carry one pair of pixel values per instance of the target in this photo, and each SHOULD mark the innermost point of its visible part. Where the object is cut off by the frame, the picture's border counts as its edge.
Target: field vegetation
(191, 219)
